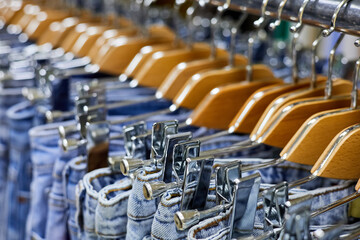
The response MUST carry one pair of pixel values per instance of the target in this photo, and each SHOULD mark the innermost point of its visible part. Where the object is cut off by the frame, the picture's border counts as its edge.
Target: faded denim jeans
(111, 211)
(140, 211)
(219, 227)
(20, 170)
(87, 193)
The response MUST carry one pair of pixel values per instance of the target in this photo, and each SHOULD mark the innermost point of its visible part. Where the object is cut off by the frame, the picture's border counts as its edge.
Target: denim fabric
(87, 194)
(19, 172)
(215, 228)
(111, 210)
(163, 226)
(73, 172)
(8, 98)
(140, 211)
(56, 220)
(44, 152)
(218, 227)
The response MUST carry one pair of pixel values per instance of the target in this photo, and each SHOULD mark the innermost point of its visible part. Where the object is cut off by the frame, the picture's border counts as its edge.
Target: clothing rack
(317, 12)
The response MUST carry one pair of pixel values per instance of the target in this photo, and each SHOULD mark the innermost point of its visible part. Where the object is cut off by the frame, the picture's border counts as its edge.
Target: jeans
(111, 210)
(218, 227)
(163, 226)
(19, 172)
(8, 98)
(73, 172)
(87, 193)
(140, 211)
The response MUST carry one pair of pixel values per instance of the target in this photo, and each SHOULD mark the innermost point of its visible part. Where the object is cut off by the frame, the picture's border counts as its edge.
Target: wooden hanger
(38, 25)
(29, 12)
(106, 36)
(316, 89)
(156, 69)
(292, 115)
(143, 56)
(12, 10)
(219, 108)
(108, 56)
(57, 31)
(202, 83)
(247, 117)
(183, 71)
(310, 141)
(340, 160)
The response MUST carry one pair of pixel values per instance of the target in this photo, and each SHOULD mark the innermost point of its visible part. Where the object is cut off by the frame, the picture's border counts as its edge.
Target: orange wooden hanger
(161, 63)
(202, 83)
(108, 58)
(340, 87)
(183, 71)
(316, 133)
(219, 108)
(291, 116)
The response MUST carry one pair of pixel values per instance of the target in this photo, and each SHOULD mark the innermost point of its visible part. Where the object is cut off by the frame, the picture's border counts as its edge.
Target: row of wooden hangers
(236, 96)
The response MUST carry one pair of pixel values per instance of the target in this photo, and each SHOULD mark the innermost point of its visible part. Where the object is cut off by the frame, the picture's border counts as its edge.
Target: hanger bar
(317, 13)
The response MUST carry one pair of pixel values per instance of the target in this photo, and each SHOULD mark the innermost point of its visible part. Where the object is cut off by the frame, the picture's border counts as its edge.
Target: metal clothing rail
(317, 12)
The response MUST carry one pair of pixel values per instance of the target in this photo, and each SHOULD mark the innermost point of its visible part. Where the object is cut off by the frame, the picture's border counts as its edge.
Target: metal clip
(174, 169)
(274, 203)
(158, 138)
(130, 132)
(297, 218)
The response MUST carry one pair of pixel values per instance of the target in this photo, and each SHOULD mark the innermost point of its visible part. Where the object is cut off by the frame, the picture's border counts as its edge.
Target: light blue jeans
(87, 193)
(111, 211)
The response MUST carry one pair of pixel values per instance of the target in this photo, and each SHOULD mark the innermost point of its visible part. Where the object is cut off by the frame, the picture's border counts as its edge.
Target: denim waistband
(140, 211)
(92, 183)
(111, 211)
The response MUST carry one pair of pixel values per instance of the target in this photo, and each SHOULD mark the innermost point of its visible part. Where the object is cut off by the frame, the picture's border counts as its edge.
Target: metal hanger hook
(327, 32)
(259, 22)
(329, 83)
(214, 23)
(297, 27)
(275, 24)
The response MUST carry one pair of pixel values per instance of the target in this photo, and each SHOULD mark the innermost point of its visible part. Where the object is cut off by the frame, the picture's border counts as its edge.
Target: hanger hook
(354, 92)
(214, 23)
(297, 27)
(258, 22)
(329, 83)
(327, 32)
(234, 31)
(275, 24)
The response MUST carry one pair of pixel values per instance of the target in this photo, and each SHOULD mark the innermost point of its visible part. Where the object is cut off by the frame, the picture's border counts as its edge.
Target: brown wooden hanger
(219, 108)
(310, 141)
(292, 115)
(316, 89)
(160, 64)
(183, 71)
(143, 56)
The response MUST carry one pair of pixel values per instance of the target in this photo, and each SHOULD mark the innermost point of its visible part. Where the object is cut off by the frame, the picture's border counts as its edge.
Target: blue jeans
(218, 227)
(111, 211)
(8, 98)
(44, 152)
(20, 171)
(87, 193)
(163, 226)
(140, 211)
(73, 172)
